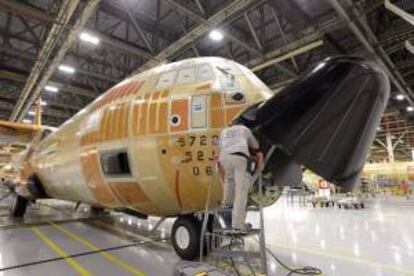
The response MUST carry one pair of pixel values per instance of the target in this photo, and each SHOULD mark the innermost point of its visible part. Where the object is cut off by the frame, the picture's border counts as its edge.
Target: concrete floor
(378, 240)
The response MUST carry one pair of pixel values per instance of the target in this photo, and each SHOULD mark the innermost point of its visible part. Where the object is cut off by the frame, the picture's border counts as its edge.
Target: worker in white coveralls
(236, 145)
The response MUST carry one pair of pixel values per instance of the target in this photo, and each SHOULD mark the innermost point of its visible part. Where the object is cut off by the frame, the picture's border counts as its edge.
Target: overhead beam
(137, 27)
(37, 75)
(23, 105)
(226, 12)
(19, 8)
(370, 42)
(253, 31)
(18, 77)
(207, 23)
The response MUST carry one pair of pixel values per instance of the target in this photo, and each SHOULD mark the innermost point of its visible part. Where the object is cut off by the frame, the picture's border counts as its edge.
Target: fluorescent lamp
(31, 113)
(66, 69)
(216, 35)
(43, 103)
(89, 38)
(27, 121)
(400, 97)
(51, 88)
(378, 128)
(410, 108)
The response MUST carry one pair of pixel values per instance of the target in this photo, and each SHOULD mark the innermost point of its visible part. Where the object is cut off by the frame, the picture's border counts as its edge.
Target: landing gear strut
(18, 206)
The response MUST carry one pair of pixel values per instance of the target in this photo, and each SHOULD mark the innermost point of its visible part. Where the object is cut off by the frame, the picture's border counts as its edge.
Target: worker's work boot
(244, 230)
(226, 214)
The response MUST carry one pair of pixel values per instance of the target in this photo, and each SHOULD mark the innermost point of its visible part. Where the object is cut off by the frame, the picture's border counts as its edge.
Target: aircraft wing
(17, 133)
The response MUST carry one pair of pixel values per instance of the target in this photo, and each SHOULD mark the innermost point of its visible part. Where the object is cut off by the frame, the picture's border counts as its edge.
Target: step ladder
(214, 234)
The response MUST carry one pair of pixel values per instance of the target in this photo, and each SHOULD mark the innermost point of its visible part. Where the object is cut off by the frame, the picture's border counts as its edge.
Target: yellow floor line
(108, 256)
(74, 264)
(344, 257)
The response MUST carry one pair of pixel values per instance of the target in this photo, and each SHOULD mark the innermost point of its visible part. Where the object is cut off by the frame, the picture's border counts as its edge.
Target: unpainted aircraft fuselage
(149, 143)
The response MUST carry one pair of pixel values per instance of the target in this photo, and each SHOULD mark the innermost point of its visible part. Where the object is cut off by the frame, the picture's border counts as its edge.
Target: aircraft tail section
(327, 119)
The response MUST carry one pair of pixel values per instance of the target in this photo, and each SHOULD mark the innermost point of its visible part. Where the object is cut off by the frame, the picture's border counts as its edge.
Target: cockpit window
(186, 75)
(166, 79)
(204, 72)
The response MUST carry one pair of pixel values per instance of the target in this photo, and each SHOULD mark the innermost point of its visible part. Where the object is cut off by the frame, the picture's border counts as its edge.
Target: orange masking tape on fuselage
(177, 188)
(130, 193)
(111, 131)
(216, 101)
(164, 94)
(143, 119)
(135, 116)
(203, 87)
(232, 112)
(163, 118)
(120, 122)
(180, 108)
(217, 119)
(125, 130)
(108, 123)
(93, 177)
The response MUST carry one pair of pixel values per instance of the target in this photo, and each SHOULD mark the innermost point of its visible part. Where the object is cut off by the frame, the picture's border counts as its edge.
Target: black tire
(327, 204)
(339, 206)
(313, 204)
(356, 206)
(18, 206)
(362, 205)
(190, 226)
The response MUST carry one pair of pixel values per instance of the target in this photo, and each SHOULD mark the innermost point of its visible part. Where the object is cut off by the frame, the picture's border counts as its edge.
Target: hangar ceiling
(278, 39)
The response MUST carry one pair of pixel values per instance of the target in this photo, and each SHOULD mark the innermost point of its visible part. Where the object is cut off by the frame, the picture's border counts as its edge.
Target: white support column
(390, 148)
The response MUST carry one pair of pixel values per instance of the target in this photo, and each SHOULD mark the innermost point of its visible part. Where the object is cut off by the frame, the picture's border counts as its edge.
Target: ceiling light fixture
(66, 69)
(216, 35)
(400, 97)
(410, 108)
(43, 103)
(87, 37)
(51, 88)
(31, 113)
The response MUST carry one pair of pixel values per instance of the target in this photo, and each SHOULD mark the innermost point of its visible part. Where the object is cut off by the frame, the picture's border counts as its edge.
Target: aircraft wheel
(356, 206)
(362, 205)
(339, 206)
(186, 233)
(18, 206)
